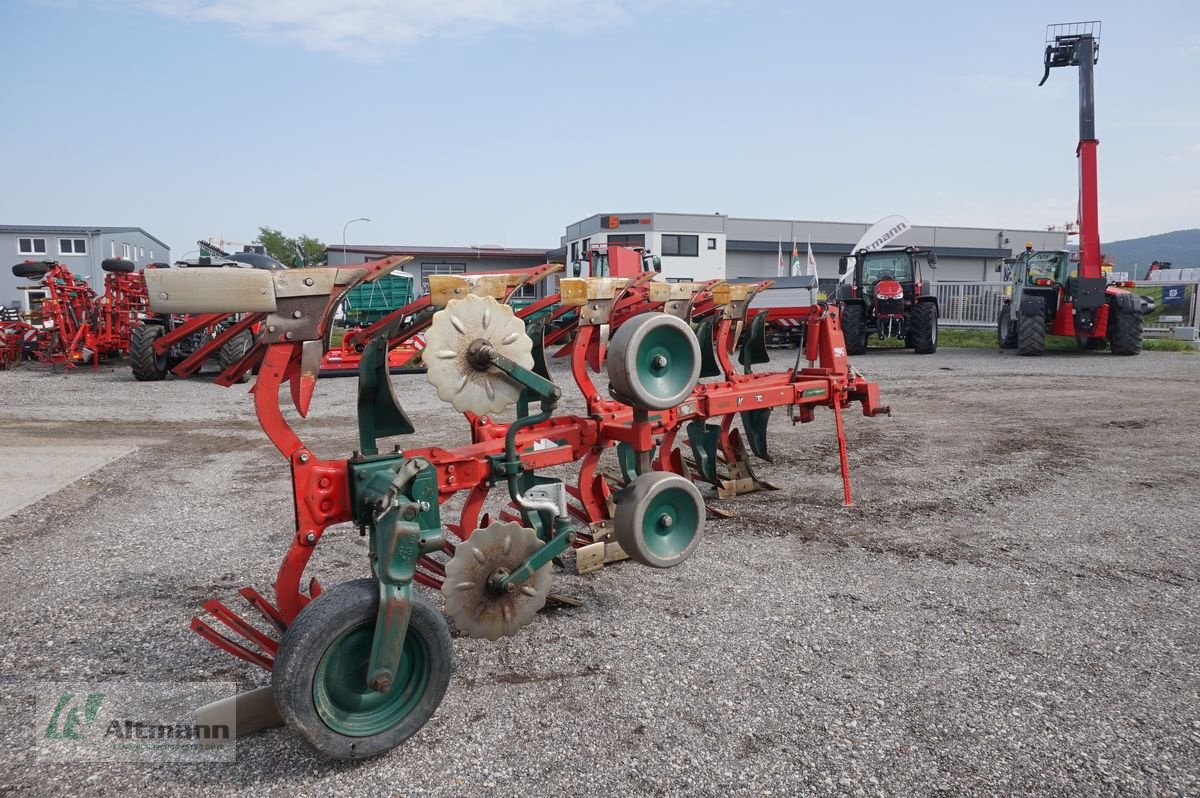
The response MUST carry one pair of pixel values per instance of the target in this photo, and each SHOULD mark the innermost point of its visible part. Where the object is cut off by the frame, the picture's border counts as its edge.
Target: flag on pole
(812, 262)
(795, 259)
(781, 268)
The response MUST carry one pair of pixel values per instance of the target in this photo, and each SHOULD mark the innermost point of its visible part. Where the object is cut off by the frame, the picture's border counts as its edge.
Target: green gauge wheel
(659, 519)
(320, 681)
(653, 361)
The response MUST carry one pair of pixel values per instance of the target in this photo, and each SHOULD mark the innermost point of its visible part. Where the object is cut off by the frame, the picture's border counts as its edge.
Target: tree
(300, 251)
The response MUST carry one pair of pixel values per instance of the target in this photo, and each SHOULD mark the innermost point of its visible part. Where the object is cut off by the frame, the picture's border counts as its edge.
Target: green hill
(1181, 248)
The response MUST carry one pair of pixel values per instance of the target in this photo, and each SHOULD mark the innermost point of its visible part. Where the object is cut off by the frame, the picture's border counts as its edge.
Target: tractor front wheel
(147, 365)
(854, 329)
(1125, 327)
(1006, 331)
(320, 674)
(1031, 331)
(925, 328)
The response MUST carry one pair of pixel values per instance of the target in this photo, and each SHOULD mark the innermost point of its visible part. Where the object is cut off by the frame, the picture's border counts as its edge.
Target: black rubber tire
(34, 271)
(331, 615)
(117, 265)
(854, 328)
(925, 328)
(1031, 330)
(1006, 331)
(234, 350)
(146, 365)
(1125, 327)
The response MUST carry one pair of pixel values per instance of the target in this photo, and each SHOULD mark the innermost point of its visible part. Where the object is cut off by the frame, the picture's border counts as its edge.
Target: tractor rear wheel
(1031, 330)
(1125, 327)
(1006, 331)
(235, 350)
(320, 683)
(147, 365)
(925, 328)
(854, 328)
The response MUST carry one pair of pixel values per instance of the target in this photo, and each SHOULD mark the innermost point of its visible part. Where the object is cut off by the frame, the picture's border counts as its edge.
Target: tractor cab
(620, 261)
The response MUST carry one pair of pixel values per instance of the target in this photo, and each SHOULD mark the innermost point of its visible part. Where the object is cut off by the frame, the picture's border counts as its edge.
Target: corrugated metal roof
(66, 229)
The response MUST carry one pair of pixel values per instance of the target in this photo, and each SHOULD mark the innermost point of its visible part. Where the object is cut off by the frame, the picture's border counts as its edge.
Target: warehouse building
(81, 249)
(706, 246)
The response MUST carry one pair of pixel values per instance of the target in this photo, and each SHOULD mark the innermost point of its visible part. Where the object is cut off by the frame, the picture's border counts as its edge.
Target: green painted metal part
(754, 422)
(703, 439)
(536, 330)
(664, 362)
(670, 522)
(379, 412)
(564, 535)
(627, 459)
(394, 499)
(709, 367)
(754, 346)
(348, 705)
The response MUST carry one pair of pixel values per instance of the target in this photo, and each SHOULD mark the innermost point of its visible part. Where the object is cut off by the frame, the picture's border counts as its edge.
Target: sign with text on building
(613, 222)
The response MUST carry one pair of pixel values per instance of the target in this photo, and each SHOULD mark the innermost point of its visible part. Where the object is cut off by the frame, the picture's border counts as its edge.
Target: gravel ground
(1011, 607)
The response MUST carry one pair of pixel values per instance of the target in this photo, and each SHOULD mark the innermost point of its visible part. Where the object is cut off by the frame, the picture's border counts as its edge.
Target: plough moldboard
(360, 666)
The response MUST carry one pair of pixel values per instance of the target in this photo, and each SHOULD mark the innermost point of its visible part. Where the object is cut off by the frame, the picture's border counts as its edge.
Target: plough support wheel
(653, 361)
(659, 519)
(320, 673)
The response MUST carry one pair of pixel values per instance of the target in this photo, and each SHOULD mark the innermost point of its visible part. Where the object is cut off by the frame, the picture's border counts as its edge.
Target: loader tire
(925, 328)
(1006, 331)
(854, 329)
(1125, 328)
(1031, 329)
(235, 350)
(147, 365)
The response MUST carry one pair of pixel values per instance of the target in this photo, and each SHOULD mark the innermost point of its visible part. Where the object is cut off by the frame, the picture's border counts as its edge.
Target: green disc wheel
(659, 519)
(653, 361)
(320, 681)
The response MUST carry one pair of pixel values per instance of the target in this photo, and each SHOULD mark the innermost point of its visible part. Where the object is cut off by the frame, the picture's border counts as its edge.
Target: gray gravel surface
(1010, 608)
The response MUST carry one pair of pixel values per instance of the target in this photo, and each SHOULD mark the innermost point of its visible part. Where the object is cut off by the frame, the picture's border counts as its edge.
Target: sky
(477, 122)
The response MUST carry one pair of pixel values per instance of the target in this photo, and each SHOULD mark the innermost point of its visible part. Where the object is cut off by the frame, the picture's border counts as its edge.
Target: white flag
(781, 269)
(812, 262)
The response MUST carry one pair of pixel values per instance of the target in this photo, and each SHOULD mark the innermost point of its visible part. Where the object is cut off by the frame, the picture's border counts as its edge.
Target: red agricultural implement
(360, 666)
(73, 325)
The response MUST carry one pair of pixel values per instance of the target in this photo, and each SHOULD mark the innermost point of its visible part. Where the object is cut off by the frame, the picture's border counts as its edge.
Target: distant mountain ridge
(1181, 248)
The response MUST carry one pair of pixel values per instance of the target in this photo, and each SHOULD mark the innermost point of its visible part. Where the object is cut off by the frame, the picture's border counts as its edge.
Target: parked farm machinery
(67, 322)
(359, 667)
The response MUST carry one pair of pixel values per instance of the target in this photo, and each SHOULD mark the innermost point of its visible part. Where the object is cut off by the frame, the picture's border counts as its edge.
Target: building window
(125, 248)
(141, 252)
(683, 246)
(151, 254)
(527, 291)
(72, 246)
(112, 249)
(628, 240)
(439, 268)
(31, 246)
(574, 251)
(712, 243)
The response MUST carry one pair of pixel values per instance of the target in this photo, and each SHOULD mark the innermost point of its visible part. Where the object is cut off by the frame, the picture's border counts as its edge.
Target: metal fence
(969, 304)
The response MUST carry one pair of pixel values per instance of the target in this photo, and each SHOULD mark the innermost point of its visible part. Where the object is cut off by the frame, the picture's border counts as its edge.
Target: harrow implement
(71, 323)
(360, 666)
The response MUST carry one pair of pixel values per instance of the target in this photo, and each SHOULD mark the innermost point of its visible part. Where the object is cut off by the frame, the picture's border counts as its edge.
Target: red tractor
(1049, 292)
(884, 292)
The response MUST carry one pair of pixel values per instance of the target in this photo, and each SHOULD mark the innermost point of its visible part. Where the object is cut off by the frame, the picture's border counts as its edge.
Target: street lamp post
(347, 224)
